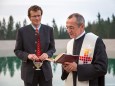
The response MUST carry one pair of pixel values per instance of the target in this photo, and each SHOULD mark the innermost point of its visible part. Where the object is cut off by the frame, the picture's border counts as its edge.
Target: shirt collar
(80, 35)
(37, 27)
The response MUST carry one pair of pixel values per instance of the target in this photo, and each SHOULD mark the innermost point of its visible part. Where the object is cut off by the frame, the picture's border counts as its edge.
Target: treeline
(103, 28)
(8, 30)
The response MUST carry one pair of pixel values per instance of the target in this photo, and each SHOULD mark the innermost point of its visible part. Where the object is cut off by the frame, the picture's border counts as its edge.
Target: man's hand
(33, 57)
(43, 57)
(69, 67)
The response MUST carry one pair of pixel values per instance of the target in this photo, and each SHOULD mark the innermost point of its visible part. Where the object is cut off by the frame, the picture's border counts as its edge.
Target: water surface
(10, 72)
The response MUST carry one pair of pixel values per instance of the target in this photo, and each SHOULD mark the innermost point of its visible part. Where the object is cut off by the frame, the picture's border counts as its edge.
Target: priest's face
(73, 29)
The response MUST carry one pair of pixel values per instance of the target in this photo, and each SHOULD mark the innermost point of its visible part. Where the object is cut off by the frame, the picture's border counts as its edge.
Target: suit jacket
(94, 72)
(26, 44)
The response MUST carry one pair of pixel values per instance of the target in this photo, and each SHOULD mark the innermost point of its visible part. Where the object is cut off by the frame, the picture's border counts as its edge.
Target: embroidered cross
(86, 57)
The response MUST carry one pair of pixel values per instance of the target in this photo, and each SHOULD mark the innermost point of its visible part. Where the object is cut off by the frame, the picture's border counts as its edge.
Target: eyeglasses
(35, 16)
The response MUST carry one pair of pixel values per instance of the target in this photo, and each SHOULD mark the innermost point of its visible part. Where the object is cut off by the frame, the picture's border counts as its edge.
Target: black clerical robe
(94, 72)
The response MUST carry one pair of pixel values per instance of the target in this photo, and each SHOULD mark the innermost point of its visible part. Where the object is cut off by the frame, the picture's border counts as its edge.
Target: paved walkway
(7, 46)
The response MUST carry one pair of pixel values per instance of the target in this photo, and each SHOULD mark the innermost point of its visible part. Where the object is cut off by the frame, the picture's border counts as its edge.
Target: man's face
(72, 28)
(35, 17)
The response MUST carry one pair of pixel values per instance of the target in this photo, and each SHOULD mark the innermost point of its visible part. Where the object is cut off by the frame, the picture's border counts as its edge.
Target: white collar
(80, 35)
(37, 27)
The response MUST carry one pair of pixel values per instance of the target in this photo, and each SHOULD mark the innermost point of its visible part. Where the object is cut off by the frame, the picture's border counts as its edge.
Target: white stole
(87, 50)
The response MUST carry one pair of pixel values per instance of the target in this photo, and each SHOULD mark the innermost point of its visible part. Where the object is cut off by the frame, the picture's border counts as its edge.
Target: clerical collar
(37, 27)
(80, 35)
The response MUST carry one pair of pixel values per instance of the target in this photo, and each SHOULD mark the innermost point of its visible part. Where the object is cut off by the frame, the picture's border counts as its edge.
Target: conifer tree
(113, 27)
(3, 30)
(24, 23)
(17, 26)
(55, 29)
(10, 28)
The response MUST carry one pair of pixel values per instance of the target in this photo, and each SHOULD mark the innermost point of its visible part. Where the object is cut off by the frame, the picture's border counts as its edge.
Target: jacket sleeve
(51, 48)
(19, 47)
(98, 67)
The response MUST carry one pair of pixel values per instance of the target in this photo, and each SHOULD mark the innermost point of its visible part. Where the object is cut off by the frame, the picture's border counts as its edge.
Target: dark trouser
(39, 80)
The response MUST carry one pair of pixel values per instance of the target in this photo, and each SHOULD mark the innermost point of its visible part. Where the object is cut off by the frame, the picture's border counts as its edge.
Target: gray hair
(80, 19)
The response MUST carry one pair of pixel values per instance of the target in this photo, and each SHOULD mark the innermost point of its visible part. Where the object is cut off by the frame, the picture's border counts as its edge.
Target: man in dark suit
(91, 67)
(26, 49)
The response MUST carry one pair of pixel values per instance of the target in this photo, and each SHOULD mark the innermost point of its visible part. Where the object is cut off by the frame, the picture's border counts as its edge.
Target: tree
(89, 27)
(63, 33)
(9, 35)
(0, 24)
(24, 23)
(55, 29)
(103, 28)
(100, 28)
(3, 30)
(17, 26)
(0, 30)
(107, 27)
(113, 27)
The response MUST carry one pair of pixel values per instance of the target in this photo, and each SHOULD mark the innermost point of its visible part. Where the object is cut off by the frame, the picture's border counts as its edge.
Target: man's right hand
(33, 57)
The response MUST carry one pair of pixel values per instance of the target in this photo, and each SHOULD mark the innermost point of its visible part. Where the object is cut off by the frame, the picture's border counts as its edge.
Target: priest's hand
(69, 67)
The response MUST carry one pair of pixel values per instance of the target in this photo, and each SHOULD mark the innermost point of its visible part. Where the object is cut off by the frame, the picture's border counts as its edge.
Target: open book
(63, 57)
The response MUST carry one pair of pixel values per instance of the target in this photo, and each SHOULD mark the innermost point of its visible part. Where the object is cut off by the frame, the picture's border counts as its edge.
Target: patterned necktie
(38, 47)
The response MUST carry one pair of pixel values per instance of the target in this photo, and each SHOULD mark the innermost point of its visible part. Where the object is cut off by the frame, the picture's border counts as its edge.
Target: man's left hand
(69, 67)
(43, 57)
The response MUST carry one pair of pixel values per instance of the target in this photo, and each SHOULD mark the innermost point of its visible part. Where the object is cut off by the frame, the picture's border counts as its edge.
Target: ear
(83, 26)
(29, 18)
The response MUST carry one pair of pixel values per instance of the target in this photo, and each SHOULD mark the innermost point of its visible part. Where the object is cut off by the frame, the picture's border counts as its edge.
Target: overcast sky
(57, 9)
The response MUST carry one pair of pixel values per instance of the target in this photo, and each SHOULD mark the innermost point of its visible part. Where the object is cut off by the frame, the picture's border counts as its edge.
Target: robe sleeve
(98, 67)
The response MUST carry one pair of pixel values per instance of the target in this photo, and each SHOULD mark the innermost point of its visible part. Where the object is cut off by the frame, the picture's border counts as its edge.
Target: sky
(57, 9)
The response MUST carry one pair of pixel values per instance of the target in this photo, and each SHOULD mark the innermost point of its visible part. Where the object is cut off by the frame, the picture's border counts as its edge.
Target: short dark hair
(34, 8)
(80, 19)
